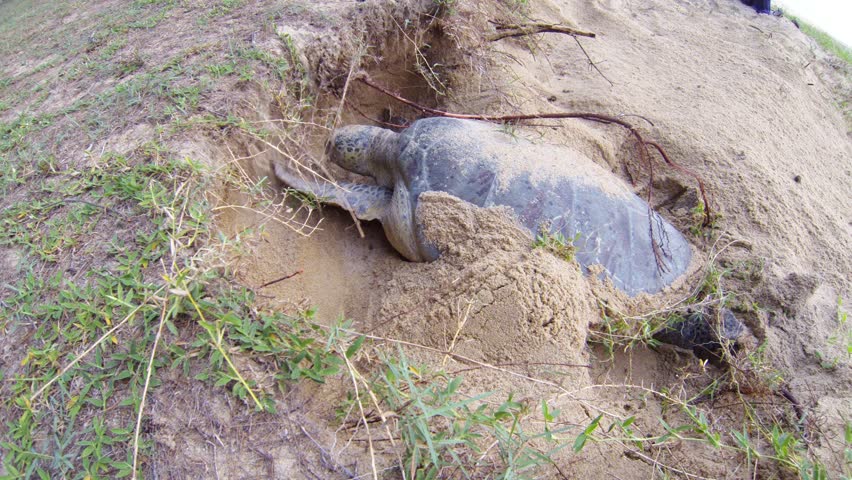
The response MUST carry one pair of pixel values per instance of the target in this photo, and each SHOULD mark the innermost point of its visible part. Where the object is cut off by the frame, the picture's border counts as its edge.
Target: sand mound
(490, 295)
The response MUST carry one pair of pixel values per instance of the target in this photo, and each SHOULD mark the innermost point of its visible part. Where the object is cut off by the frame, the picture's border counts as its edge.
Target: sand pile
(490, 295)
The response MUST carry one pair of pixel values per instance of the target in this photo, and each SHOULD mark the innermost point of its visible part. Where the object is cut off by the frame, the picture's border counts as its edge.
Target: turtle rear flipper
(367, 202)
(711, 336)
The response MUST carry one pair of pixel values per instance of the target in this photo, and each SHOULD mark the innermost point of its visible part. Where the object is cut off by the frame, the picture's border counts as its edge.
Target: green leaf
(580, 442)
(87, 452)
(356, 345)
(172, 328)
(454, 385)
(742, 439)
(549, 415)
(594, 425)
(502, 415)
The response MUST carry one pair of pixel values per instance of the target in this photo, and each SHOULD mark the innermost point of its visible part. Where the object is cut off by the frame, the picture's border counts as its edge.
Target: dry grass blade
(317, 176)
(459, 327)
(355, 61)
(148, 373)
(273, 209)
(299, 165)
(301, 227)
(352, 375)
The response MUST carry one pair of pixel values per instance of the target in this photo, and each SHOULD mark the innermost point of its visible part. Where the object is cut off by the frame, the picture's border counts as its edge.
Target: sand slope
(744, 100)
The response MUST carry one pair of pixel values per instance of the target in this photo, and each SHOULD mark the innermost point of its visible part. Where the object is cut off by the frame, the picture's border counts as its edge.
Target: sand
(489, 292)
(744, 100)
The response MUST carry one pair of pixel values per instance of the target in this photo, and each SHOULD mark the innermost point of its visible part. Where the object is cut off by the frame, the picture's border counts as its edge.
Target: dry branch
(506, 30)
(277, 280)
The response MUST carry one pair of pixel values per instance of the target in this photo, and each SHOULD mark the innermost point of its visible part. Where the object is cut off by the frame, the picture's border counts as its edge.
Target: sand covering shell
(506, 300)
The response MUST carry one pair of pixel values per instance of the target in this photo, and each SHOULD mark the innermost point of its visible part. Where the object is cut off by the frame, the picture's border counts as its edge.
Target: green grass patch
(444, 430)
(829, 43)
(556, 243)
(78, 313)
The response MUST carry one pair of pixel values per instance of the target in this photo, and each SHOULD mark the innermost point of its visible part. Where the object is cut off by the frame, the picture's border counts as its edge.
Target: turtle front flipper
(402, 230)
(367, 202)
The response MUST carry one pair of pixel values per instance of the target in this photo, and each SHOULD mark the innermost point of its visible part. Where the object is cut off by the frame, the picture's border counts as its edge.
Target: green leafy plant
(557, 244)
(442, 429)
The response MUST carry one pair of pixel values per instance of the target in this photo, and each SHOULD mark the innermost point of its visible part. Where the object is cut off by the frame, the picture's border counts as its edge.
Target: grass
(116, 315)
(838, 345)
(438, 430)
(776, 438)
(826, 41)
(114, 264)
(557, 244)
(73, 313)
(445, 432)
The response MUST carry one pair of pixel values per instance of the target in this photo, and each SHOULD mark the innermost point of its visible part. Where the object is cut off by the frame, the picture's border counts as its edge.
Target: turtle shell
(550, 188)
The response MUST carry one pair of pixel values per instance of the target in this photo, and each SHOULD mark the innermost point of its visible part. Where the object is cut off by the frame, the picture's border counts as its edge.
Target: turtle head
(364, 150)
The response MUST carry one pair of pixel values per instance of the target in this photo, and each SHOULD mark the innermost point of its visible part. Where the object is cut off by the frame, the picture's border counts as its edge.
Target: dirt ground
(746, 101)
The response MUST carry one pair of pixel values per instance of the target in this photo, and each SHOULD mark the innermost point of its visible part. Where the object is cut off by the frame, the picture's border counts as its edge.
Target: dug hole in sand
(744, 100)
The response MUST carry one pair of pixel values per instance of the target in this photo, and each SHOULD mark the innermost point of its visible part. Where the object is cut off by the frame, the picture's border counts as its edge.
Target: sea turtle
(548, 187)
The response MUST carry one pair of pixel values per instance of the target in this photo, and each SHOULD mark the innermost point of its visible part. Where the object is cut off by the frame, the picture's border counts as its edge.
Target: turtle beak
(329, 145)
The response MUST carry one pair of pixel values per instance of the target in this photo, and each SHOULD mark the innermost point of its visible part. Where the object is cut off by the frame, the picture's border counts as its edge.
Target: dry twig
(520, 30)
(591, 63)
(285, 277)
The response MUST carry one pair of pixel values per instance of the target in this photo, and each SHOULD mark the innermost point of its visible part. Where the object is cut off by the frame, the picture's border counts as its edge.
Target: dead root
(506, 30)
